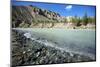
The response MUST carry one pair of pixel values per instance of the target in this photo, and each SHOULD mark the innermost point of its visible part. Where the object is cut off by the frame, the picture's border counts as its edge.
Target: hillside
(34, 17)
(26, 16)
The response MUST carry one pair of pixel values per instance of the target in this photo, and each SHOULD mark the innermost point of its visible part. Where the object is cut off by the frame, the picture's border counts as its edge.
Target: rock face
(34, 17)
(26, 16)
(26, 51)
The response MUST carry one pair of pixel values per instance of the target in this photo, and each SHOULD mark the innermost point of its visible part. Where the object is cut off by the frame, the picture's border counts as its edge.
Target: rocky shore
(27, 51)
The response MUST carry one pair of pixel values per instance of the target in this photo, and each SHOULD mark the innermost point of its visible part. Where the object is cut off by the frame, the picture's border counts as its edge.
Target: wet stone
(32, 52)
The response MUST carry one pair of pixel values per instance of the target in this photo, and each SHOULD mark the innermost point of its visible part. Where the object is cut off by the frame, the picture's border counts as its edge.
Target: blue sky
(62, 9)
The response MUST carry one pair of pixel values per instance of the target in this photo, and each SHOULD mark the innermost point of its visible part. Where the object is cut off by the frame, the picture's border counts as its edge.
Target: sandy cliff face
(52, 25)
(62, 25)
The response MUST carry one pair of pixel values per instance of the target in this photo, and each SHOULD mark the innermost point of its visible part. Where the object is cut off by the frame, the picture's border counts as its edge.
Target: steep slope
(26, 16)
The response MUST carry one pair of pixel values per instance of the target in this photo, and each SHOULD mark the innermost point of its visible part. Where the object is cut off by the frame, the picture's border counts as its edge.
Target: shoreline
(60, 28)
(32, 52)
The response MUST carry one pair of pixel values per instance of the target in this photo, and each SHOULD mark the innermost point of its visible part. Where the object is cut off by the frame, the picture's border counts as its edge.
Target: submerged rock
(34, 52)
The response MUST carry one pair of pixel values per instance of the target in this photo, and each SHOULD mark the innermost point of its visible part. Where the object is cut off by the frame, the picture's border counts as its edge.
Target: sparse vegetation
(33, 16)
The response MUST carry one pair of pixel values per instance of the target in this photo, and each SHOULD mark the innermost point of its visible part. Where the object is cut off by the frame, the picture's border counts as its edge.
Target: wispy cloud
(69, 7)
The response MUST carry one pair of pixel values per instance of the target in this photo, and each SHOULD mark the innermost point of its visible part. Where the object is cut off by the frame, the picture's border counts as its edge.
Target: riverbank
(57, 25)
(27, 51)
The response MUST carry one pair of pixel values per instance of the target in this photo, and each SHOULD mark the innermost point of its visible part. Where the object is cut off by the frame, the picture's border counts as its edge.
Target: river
(70, 40)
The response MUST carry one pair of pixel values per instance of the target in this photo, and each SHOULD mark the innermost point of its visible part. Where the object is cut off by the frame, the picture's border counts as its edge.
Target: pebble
(29, 50)
(24, 52)
(38, 54)
(41, 54)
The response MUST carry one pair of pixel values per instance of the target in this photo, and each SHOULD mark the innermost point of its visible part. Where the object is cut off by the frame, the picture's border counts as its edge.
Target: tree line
(83, 20)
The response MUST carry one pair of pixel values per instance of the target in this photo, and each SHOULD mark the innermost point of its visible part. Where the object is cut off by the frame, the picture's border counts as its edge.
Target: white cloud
(69, 7)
